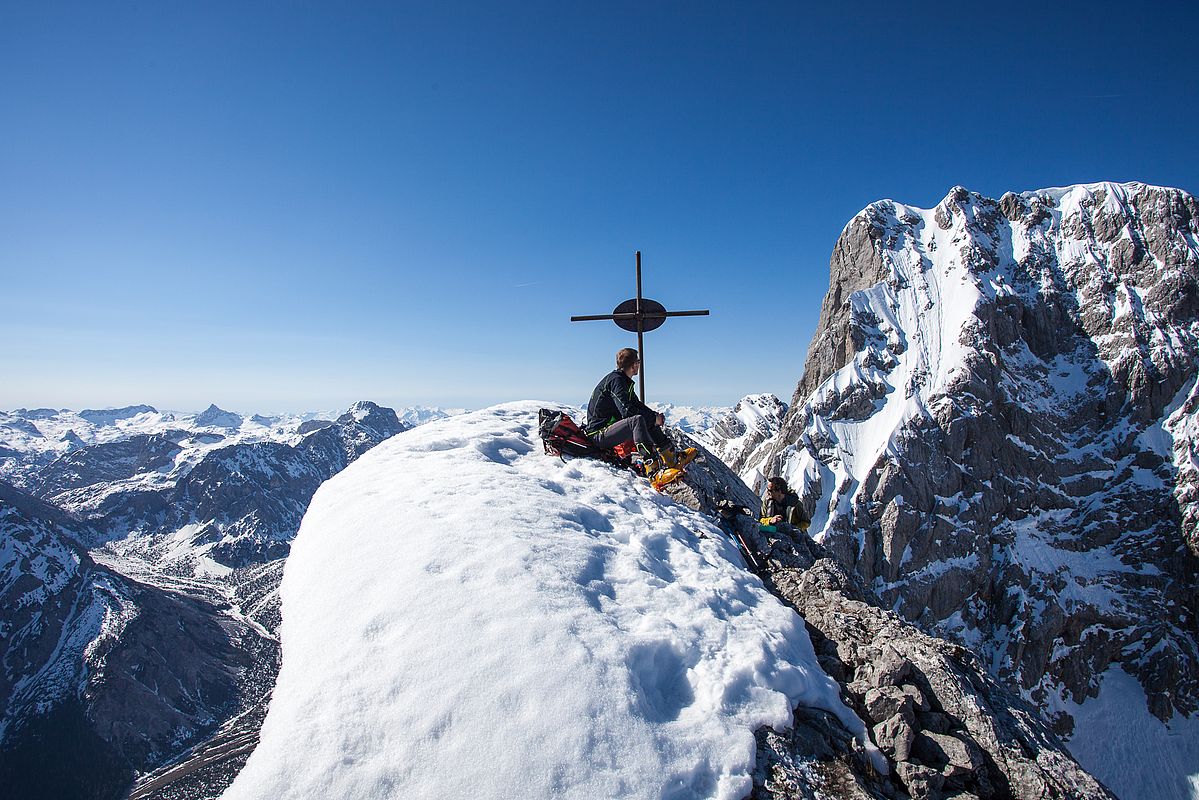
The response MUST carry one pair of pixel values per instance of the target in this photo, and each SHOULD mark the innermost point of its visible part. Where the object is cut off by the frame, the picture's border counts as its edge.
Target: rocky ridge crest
(947, 727)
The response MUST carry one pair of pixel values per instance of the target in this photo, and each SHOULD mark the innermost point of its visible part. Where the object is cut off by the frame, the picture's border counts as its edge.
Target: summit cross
(640, 315)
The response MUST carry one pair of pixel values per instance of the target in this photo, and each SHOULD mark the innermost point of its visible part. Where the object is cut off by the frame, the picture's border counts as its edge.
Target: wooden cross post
(640, 315)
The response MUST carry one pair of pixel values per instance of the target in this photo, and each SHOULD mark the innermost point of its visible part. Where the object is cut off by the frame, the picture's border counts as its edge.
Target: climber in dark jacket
(781, 505)
(616, 414)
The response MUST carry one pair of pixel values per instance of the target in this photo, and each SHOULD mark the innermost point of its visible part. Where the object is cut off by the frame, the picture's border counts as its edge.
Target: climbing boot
(652, 467)
(673, 459)
(644, 464)
(665, 476)
(668, 457)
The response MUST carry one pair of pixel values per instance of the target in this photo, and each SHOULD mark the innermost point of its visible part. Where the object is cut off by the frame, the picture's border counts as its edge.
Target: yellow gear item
(669, 459)
(677, 460)
(665, 476)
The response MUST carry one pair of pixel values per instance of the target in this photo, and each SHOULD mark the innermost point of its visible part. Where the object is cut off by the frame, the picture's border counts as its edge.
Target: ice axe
(729, 511)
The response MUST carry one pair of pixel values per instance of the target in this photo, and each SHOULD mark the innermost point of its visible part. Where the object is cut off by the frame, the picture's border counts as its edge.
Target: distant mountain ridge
(150, 566)
(30, 439)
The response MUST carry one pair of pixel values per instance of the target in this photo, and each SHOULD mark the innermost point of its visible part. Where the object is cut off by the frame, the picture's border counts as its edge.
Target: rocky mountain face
(738, 434)
(101, 675)
(108, 462)
(946, 726)
(215, 417)
(140, 586)
(996, 431)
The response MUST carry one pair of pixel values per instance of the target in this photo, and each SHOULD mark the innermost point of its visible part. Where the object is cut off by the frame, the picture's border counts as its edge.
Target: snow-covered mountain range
(996, 428)
(140, 557)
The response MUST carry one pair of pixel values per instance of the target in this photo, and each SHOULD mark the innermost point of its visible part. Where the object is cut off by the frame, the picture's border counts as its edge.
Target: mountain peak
(110, 416)
(215, 417)
(997, 393)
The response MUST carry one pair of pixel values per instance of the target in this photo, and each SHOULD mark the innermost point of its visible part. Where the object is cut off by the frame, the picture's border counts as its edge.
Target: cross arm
(642, 315)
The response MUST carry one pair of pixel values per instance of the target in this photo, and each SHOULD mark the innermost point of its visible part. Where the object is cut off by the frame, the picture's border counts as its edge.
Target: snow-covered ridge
(692, 420)
(463, 616)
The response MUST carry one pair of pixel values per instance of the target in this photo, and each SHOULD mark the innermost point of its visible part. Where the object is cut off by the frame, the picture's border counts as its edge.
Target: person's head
(777, 486)
(628, 361)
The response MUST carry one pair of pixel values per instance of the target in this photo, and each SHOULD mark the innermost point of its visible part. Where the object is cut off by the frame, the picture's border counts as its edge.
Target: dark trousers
(645, 435)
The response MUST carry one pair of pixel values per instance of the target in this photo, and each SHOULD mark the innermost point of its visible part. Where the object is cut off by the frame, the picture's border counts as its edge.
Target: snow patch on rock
(1121, 710)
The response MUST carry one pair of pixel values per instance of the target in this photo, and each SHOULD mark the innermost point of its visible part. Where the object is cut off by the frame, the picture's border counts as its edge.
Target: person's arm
(764, 517)
(627, 401)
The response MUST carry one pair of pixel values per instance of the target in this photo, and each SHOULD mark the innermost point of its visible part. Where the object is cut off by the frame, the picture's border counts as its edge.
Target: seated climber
(616, 414)
(782, 506)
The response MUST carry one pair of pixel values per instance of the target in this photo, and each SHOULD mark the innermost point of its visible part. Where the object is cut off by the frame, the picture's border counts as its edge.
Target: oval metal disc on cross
(652, 315)
(639, 316)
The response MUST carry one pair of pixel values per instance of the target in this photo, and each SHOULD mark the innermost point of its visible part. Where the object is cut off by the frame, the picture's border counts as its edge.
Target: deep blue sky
(286, 205)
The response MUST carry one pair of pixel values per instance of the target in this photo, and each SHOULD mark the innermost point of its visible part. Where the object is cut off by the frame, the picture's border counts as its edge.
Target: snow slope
(1129, 772)
(464, 616)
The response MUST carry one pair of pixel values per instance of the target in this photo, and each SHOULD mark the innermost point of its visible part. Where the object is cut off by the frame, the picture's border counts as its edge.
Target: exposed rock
(904, 685)
(815, 759)
(896, 736)
(314, 425)
(922, 783)
(889, 700)
(952, 755)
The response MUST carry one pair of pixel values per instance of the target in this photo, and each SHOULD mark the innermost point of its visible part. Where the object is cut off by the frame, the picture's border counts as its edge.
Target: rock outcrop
(947, 727)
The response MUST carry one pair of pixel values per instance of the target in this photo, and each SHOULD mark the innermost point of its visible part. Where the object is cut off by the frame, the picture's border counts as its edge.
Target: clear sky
(289, 205)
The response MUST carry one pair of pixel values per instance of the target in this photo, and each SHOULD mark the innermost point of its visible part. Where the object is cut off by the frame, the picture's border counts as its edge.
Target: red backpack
(561, 436)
